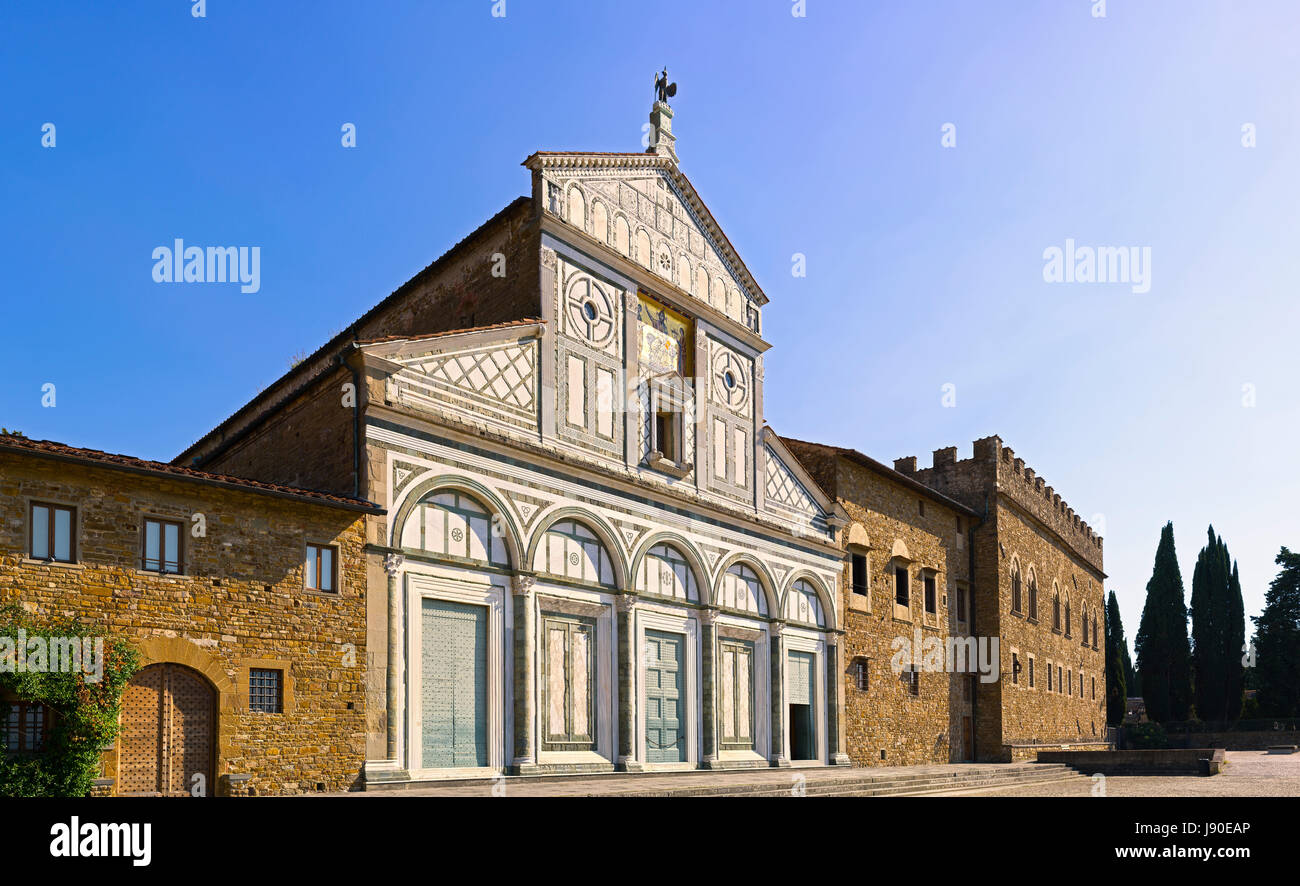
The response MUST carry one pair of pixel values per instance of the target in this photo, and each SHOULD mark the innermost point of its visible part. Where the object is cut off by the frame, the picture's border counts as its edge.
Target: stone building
(246, 601)
(905, 584)
(1038, 587)
(595, 555)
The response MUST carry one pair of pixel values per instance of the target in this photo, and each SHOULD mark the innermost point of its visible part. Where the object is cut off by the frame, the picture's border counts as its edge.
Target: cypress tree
(1277, 642)
(1116, 653)
(1163, 651)
(1235, 648)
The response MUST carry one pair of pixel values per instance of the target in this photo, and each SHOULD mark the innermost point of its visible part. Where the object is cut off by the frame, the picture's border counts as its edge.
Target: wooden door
(168, 733)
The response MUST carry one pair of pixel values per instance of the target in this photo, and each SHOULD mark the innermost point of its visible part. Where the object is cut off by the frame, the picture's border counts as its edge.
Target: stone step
(863, 783)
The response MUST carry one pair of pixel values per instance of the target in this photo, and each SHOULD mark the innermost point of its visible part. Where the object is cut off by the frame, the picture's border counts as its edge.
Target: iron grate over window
(264, 691)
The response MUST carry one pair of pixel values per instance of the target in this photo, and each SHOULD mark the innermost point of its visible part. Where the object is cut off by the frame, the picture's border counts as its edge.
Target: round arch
(765, 580)
(489, 499)
(598, 525)
(827, 600)
(686, 549)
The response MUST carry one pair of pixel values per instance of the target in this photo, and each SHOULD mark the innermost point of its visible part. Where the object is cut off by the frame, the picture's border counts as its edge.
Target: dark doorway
(802, 745)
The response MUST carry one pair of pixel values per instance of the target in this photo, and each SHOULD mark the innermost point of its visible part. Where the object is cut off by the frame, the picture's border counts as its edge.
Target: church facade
(594, 556)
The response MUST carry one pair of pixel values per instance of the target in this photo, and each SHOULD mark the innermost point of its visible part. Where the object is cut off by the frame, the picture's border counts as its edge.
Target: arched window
(1067, 616)
(452, 524)
(1084, 621)
(741, 590)
(1094, 632)
(1033, 595)
(1056, 608)
(571, 550)
(666, 572)
(1015, 586)
(802, 605)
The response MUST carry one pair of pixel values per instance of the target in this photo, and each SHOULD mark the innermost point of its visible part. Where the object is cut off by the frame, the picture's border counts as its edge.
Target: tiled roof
(98, 458)
(532, 321)
(880, 468)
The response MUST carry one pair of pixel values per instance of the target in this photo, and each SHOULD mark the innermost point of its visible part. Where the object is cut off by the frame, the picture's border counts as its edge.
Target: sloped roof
(98, 458)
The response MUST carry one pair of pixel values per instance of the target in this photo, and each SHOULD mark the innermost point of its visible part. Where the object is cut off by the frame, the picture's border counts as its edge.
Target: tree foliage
(1277, 642)
(1163, 650)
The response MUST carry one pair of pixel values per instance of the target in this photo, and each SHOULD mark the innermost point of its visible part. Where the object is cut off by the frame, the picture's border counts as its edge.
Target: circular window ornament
(573, 559)
(457, 535)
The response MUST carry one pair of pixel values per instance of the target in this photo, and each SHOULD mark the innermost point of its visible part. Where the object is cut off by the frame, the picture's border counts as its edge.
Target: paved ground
(1248, 774)
(614, 785)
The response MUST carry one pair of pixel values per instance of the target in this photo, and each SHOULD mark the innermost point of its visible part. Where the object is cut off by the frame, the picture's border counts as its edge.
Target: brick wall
(240, 600)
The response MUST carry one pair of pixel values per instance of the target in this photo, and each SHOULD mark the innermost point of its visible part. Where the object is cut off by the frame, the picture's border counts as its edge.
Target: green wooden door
(665, 727)
(454, 703)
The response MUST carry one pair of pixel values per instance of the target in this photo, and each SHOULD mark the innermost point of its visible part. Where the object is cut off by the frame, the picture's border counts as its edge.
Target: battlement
(994, 467)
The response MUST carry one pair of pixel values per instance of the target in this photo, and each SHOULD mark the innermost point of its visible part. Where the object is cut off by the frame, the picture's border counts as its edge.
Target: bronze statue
(663, 89)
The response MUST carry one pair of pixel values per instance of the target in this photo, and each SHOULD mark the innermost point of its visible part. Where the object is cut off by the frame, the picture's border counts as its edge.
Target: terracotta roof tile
(99, 458)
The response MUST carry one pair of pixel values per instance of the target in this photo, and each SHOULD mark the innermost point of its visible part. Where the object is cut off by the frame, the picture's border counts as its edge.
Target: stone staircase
(864, 782)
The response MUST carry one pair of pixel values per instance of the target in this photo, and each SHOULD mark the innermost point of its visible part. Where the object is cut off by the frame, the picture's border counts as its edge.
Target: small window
(162, 547)
(1094, 688)
(666, 434)
(322, 568)
(901, 595)
(1070, 676)
(1049, 676)
(859, 573)
(913, 677)
(52, 533)
(26, 727)
(1060, 681)
(1031, 672)
(861, 675)
(931, 596)
(920, 506)
(1015, 669)
(961, 604)
(265, 691)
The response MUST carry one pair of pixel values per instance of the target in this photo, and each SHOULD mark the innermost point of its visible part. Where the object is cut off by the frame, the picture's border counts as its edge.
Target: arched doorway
(169, 728)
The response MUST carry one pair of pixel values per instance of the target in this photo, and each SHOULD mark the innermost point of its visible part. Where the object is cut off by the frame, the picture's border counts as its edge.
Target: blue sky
(818, 135)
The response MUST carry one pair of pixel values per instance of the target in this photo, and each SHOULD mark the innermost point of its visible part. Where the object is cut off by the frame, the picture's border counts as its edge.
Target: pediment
(643, 208)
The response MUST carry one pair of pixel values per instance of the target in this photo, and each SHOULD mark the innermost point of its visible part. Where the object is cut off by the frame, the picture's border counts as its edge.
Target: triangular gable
(790, 492)
(490, 374)
(643, 207)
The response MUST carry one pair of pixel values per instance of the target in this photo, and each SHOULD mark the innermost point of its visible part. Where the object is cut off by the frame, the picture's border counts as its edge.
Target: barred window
(265, 691)
(1015, 668)
(861, 674)
(913, 677)
(1031, 672)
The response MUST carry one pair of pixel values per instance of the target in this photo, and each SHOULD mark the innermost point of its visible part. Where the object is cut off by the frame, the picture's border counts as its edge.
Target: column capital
(709, 616)
(522, 583)
(392, 563)
(776, 628)
(625, 602)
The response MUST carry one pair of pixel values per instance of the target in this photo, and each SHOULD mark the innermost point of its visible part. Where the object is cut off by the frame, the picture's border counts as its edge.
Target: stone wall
(887, 718)
(240, 601)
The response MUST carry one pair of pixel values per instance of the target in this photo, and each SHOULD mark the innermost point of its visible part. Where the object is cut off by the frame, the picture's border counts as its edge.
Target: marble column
(709, 686)
(393, 566)
(835, 702)
(776, 632)
(627, 660)
(525, 686)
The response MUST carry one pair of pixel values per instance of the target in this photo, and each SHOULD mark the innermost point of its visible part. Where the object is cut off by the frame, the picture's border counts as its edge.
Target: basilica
(551, 522)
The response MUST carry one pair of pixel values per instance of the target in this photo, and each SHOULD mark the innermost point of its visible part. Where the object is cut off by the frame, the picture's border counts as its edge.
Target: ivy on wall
(85, 705)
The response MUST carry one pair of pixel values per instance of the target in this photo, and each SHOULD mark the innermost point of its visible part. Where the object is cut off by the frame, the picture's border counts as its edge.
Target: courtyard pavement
(1248, 774)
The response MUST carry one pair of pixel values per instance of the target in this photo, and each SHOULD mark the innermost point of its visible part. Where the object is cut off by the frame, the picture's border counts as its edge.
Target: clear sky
(818, 135)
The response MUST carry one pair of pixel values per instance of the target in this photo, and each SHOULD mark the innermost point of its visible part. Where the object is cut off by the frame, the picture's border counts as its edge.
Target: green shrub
(1146, 736)
(85, 710)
